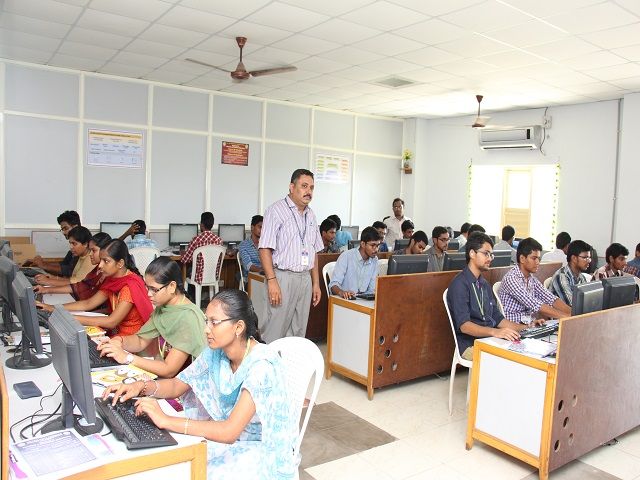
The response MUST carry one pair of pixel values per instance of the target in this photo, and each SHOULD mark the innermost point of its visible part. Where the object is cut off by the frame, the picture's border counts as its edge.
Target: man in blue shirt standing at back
(356, 269)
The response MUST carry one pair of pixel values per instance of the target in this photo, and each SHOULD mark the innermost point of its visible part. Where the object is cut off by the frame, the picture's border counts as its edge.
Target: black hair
(101, 239)
(336, 220)
(465, 227)
(118, 250)
(142, 226)
(638, 247)
(379, 224)
(508, 232)
(164, 271)
(80, 234)
(237, 305)
(407, 225)
(576, 248)
(562, 240)
(420, 236)
(69, 216)
(327, 224)
(369, 234)
(475, 242)
(437, 231)
(256, 219)
(397, 199)
(615, 250)
(207, 220)
(475, 228)
(450, 230)
(526, 246)
(299, 173)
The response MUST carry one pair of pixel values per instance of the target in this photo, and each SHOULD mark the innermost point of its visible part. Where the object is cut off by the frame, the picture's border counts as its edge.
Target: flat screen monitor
(618, 291)
(400, 264)
(114, 229)
(515, 244)
(453, 245)
(231, 233)
(5, 249)
(501, 258)
(401, 244)
(354, 244)
(71, 360)
(182, 233)
(587, 298)
(354, 230)
(454, 261)
(30, 354)
(8, 271)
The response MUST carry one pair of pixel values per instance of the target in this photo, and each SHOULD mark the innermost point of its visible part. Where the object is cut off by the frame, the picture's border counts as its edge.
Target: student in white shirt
(563, 239)
(394, 223)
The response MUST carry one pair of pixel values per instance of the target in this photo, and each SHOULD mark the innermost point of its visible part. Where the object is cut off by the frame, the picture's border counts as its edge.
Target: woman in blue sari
(234, 394)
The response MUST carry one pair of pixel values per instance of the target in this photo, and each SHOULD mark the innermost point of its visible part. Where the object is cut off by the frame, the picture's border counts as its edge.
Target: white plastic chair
(241, 287)
(211, 256)
(327, 273)
(496, 289)
(383, 263)
(457, 359)
(302, 360)
(143, 256)
(547, 282)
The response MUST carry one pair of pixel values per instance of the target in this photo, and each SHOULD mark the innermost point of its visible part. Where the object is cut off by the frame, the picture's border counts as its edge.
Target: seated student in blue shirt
(138, 232)
(473, 307)
(342, 237)
(381, 227)
(248, 249)
(356, 269)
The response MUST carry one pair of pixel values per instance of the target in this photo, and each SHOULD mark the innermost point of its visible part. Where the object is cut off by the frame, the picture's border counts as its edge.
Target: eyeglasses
(443, 240)
(210, 322)
(154, 290)
(373, 245)
(490, 255)
(588, 259)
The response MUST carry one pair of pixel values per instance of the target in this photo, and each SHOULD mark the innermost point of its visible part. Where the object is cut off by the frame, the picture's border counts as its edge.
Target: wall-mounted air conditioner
(525, 138)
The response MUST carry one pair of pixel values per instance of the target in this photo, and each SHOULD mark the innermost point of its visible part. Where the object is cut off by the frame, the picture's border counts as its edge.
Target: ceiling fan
(241, 73)
(480, 121)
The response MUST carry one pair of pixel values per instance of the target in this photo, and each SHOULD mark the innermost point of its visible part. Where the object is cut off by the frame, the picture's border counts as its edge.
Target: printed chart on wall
(115, 149)
(235, 153)
(331, 169)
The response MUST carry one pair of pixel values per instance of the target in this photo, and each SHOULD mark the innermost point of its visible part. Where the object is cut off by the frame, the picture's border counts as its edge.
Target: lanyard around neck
(480, 303)
(302, 234)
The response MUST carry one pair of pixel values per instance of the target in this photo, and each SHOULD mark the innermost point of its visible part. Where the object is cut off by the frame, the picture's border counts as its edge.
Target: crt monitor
(354, 244)
(501, 258)
(401, 244)
(182, 233)
(354, 230)
(454, 261)
(115, 229)
(399, 264)
(587, 298)
(618, 291)
(24, 306)
(453, 245)
(231, 233)
(71, 360)
(5, 249)
(8, 271)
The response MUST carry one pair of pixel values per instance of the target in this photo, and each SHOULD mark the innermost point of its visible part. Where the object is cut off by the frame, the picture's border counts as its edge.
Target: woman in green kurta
(176, 323)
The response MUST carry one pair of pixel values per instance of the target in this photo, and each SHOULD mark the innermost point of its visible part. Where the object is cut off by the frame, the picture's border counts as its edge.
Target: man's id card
(304, 259)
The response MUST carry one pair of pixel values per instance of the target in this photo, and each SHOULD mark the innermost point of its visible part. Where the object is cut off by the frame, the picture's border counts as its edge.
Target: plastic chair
(383, 263)
(241, 286)
(327, 273)
(143, 256)
(212, 256)
(496, 289)
(457, 359)
(547, 282)
(302, 360)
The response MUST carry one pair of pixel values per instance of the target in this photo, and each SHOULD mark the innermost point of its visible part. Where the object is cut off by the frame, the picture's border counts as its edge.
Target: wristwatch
(129, 359)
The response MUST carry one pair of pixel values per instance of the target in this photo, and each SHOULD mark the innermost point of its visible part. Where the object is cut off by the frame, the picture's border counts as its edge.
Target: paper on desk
(89, 314)
(115, 375)
(533, 346)
(94, 331)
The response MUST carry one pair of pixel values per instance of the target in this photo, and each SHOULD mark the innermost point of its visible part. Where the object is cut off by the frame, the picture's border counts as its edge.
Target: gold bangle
(186, 426)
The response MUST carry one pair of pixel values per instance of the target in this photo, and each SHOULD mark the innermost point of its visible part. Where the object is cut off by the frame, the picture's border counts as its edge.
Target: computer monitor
(354, 244)
(401, 244)
(587, 298)
(71, 360)
(502, 258)
(400, 264)
(5, 249)
(453, 245)
(8, 271)
(516, 242)
(182, 233)
(231, 233)
(618, 291)
(454, 261)
(24, 306)
(114, 229)
(354, 230)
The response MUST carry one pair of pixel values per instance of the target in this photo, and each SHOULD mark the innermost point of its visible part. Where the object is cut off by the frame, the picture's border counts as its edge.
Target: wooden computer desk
(404, 334)
(549, 412)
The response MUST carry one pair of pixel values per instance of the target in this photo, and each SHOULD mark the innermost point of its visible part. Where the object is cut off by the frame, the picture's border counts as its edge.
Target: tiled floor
(429, 444)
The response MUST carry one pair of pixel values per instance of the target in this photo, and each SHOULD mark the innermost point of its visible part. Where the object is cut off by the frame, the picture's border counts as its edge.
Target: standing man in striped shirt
(288, 247)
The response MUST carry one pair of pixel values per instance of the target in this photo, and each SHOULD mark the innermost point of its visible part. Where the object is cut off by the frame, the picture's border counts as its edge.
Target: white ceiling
(518, 53)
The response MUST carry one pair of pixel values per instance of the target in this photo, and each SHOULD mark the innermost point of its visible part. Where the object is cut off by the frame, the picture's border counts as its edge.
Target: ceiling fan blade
(271, 71)
(204, 64)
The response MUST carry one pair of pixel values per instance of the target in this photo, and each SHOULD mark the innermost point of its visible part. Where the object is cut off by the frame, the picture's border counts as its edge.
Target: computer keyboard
(539, 332)
(43, 318)
(31, 272)
(135, 432)
(95, 359)
(366, 296)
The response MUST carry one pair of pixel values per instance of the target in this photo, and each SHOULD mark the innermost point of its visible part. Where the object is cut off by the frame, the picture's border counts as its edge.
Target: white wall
(582, 139)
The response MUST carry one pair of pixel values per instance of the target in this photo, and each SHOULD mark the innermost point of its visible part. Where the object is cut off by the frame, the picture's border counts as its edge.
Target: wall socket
(546, 121)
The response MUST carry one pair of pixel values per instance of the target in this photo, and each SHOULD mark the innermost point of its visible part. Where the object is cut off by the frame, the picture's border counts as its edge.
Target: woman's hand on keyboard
(151, 408)
(123, 391)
